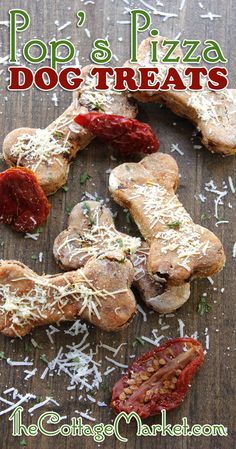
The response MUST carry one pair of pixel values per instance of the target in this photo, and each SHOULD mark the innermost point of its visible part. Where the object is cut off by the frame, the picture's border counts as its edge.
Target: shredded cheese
(44, 298)
(234, 250)
(213, 105)
(25, 398)
(96, 100)
(114, 362)
(162, 210)
(97, 240)
(41, 404)
(80, 367)
(41, 147)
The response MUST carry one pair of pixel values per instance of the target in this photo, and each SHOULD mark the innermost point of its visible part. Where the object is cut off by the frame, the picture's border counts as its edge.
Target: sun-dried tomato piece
(127, 135)
(159, 379)
(23, 203)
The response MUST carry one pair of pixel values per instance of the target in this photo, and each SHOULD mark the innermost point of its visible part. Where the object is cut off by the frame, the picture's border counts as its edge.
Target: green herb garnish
(104, 386)
(35, 345)
(88, 213)
(84, 177)
(44, 358)
(174, 225)
(98, 107)
(39, 230)
(203, 306)
(34, 257)
(120, 242)
(205, 217)
(58, 134)
(138, 341)
(128, 218)
(77, 360)
(39, 399)
(2, 355)
(69, 208)
(92, 393)
(65, 188)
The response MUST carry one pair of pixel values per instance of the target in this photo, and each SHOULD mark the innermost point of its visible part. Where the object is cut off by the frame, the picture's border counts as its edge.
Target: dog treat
(99, 293)
(212, 112)
(23, 204)
(48, 152)
(180, 250)
(91, 232)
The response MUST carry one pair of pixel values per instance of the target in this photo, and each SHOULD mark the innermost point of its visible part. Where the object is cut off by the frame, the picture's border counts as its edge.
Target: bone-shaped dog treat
(99, 293)
(212, 112)
(180, 250)
(91, 232)
(48, 152)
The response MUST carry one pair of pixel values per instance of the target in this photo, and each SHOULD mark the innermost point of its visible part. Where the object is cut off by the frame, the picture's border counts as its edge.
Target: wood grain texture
(210, 399)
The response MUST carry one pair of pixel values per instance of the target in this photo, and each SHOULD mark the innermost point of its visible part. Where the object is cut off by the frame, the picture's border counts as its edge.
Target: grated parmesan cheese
(19, 363)
(211, 105)
(97, 240)
(220, 194)
(175, 147)
(38, 148)
(140, 309)
(182, 4)
(32, 236)
(93, 99)
(163, 208)
(44, 298)
(41, 404)
(120, 365)
(210, 16)
(231, 184)
(25, 398)
(181, 327)
(87, 416)
(109, 371)
(79, 366)
(87, 32)
(30, 374)
(234, 250)
(65, 25)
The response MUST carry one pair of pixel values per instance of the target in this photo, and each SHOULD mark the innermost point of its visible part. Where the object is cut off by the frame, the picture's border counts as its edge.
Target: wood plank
(211, 397)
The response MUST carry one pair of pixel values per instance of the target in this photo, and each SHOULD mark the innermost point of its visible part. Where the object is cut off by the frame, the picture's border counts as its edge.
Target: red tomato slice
(128, 135)
(23, 203)
(159, 379)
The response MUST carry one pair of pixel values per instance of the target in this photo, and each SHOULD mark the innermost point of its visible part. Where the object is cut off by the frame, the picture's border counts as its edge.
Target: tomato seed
(122, 396)
(131, 382)
(163, 390)
(156, 363)
(128, 391)
(170, 352)
(150, 369)
(133, 387)
(162, 361)
(144, 376)
(149, 393)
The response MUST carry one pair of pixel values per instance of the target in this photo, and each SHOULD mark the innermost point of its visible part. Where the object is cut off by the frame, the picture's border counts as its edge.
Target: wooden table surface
(210, 399)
